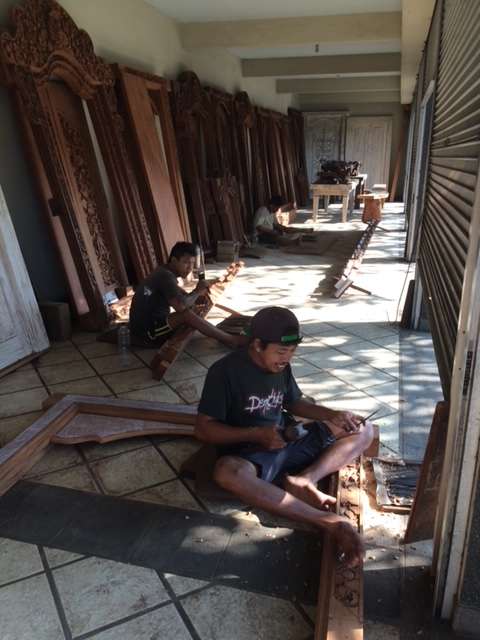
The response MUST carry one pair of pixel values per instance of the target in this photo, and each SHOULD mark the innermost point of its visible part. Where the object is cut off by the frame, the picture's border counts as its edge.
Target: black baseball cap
(275, 324)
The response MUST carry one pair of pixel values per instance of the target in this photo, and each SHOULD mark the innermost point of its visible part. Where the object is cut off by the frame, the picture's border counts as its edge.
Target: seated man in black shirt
(241, 412)
(150, 316)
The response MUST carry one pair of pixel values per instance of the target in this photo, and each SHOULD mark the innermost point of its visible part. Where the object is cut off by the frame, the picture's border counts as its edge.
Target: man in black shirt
(150, 316)
(261, 462)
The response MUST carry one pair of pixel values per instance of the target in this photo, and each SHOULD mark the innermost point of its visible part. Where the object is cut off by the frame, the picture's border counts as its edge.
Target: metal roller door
(454, 156)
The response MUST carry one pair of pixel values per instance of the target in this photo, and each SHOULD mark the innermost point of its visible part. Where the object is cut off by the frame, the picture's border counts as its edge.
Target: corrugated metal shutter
(452, 173)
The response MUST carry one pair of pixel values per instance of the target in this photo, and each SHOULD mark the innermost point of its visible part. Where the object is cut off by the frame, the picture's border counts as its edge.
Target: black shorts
(157, 333)
(272, 466)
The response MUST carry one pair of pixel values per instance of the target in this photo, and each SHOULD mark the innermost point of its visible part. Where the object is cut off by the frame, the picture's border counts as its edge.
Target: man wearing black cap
(241, 411)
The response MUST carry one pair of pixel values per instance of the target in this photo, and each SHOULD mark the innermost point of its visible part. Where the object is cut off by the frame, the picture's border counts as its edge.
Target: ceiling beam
(315, 65)
(342, 99)
(361, 27)
(338, 85)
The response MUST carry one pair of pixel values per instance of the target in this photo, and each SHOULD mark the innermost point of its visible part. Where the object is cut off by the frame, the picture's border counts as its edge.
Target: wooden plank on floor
(421, 522)
(19, 455)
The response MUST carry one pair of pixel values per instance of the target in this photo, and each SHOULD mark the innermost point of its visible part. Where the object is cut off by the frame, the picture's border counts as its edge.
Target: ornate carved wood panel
(147, 103)
(51, 68)
(210, 160)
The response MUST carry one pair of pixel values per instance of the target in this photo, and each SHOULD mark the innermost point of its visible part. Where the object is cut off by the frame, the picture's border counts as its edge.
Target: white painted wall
(133, 32)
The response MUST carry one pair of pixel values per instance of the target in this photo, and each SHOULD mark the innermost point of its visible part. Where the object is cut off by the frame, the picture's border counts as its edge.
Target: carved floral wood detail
(45, 49)
(82, 173)
(45, 37)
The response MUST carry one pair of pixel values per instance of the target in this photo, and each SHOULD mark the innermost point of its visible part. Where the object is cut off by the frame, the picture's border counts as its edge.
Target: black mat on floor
(205, 546)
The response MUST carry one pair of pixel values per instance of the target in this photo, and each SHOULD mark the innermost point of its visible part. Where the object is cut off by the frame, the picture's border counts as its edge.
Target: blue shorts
(272, 466)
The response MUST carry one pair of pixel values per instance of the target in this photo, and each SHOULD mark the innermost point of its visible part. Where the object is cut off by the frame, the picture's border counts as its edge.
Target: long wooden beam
(359, 28)
(366, 64)
(376, 84)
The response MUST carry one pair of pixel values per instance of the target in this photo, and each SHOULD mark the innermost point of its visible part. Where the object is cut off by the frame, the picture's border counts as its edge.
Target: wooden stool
(373, 205)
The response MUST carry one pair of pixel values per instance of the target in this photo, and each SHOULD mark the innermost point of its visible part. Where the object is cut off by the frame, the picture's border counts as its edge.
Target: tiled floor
(353, 357)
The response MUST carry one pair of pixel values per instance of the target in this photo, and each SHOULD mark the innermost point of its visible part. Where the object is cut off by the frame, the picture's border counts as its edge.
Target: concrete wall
(129, 32)
(313, 103)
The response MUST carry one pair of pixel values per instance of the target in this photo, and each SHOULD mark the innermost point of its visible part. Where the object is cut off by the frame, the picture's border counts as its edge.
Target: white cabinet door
(22, 333)
(369, 141)
(324, 140)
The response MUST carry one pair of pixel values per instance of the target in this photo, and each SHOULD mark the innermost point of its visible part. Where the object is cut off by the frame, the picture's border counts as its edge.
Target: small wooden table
(345, 191)
(373, 205)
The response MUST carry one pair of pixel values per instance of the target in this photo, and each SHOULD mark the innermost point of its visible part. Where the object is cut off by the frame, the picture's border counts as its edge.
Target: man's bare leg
(346, 448)
(240, 478)
(191, 319)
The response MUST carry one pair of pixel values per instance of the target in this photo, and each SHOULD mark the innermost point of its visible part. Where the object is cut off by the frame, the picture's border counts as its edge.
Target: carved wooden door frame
(47, 46)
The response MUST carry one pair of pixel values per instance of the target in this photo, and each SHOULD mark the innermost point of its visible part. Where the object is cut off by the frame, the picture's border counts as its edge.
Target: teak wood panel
(190, 120)
(247, 167)
(421, 523)
(147, 103)
(297, 133)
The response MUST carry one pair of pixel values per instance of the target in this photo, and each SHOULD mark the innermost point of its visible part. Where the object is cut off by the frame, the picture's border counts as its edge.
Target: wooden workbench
(345, 191)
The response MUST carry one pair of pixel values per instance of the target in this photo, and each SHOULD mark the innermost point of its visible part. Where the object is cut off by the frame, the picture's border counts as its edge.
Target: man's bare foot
(306, 491)
(349, 544)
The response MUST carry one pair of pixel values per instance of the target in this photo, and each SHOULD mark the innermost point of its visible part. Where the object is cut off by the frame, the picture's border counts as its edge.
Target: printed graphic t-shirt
(240, 394)
(150, 301)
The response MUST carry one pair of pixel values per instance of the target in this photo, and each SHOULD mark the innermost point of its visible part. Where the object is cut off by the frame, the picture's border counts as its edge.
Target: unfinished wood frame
(172, 348)
(62, 424)
(146, 101)
(64, 95)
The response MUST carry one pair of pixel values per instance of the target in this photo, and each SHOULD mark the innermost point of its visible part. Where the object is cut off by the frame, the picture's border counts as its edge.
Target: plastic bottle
(123, 341)
(200, 266)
